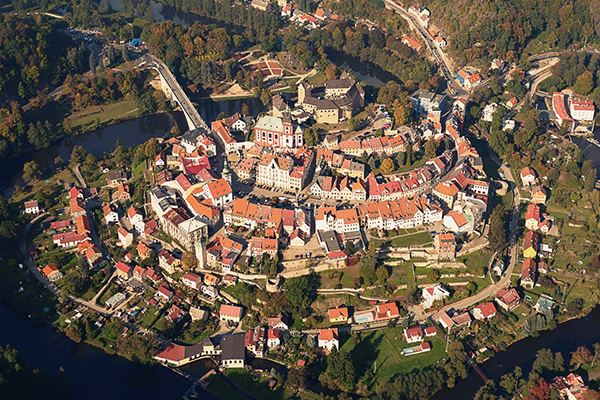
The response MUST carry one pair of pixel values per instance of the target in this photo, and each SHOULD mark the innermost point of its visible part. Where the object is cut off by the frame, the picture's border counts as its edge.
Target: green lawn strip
(258, 386)
(420, 238)
(122, 109)
(221, 390)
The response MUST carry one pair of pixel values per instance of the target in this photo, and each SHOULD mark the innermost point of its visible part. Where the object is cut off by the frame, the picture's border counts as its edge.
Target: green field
(220, 389)
(420, 238)
(258, 386)
(383, 347)
(108, 113)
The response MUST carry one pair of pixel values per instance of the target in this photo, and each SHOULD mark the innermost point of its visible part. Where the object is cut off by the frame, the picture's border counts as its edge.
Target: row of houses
(251, 215)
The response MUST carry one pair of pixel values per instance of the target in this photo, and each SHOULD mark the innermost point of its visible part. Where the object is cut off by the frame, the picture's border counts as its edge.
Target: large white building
(434, 293)
(582, 110)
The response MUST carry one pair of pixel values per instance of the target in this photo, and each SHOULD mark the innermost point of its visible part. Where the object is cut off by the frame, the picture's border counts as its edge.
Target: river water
(565, 339)
(92, 374)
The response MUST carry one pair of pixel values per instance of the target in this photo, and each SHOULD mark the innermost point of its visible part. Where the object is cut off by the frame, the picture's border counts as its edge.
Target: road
(193, 116)
(439, 55)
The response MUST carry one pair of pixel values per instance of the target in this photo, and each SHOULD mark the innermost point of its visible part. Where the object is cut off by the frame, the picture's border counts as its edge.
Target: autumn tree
(188, 261)
(387, 166)
(582, 355)
(584, 84)
(431, 148)
(382, 274)
(31, 171)
(78, 154)
(151, 148)
(433, 275)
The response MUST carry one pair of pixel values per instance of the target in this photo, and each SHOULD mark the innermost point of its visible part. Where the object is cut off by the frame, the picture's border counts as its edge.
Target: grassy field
(107, 113)
(420, 238)
(220, 388)
(317, 80)
(384, 346)
(480, 258)
(258, 386)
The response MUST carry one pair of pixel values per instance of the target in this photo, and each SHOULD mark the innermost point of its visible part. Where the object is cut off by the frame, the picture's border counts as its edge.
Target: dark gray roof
(339, 83)
(233, 347)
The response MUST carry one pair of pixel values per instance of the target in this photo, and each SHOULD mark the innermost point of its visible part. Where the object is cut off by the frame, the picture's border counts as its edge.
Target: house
(230, 313)
(387, 310)
(210, 291)
(542, 266)
(69, 239)
(180, 355)
(508, 299)
(410, 42)
(32, 207)
(153, 275)
(279, 322)
(161, 159)
(83, 225)
(329, 338)
(485, 310)
(544, 304)
(430, 331)
(263, 5)
(60, 225)
(210, 279)
(413, 335)
(455, 321)
(528, 176)
(123, 192)
(528, 273)
(538, 195)
(570, 387)
(175, 314)
(512, 102)
(139, 273)
(445, 243)
(281, 132)
(123, 271)
(273, 338)
(110, 214)
(434, 293)
(533, 217)
(116, 178)
(76, 193)
(136, 219)
(52, 273)
(143, 250)
(582, 110)
(530, 245)
(338, 314)
(447, 192)
(167, 262)
(164, 292)
(233, 351)
(255, 341)
(191, 280)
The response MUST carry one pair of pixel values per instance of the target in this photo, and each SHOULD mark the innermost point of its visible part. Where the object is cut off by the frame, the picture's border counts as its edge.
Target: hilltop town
(345, 236)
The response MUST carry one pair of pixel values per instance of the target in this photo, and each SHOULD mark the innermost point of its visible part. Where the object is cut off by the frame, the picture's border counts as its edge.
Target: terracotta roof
(232, 311)
(328, 334)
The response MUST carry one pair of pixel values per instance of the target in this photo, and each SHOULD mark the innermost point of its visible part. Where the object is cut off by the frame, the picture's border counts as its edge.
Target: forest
(505, 29)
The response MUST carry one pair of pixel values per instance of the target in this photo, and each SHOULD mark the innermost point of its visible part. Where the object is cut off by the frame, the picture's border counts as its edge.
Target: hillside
(513, 29)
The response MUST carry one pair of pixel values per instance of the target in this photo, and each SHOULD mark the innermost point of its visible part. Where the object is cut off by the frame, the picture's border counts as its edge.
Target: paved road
(433, 48)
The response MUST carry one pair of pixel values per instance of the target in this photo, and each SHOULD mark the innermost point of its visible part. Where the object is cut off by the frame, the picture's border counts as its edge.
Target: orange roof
(83, 224)
(328, 334)
(49, 269)
(219, 188)
(232, 311)
(338, 312)
(460, 219)
(447, 188)
(142, 249)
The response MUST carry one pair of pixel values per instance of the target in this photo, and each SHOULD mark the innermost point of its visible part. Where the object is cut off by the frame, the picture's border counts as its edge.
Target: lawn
(480, 258)
(107, 113)
(420, 238)
(221, 390)
(258, 386)
(317, 80)
(150, 317)
(383, 348)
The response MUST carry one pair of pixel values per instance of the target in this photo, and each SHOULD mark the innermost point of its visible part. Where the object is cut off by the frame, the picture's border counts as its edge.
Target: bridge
(173, 91)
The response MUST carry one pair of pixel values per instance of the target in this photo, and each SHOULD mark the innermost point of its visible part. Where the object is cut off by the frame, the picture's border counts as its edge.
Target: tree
(83, 267)
(486, 392)
(539, 392)
(433, 275)
(352, 124)
(245, 109)
(431, 148)
(349, 248)
(584, 84)
(31, 171)
(78, 154)
(298, 378)
(265, 97)
(498, 228)
(92, 63)
(299, 291)
(475, 112)
(188, 261)
(509, 382)
(382, 273)
(311, 138)
(151, 148)
(590, 394)
(596, 353)
(58, 161)
(582, 355)
(544, 360)
(125, 54)
(387, 166)
(91, 159)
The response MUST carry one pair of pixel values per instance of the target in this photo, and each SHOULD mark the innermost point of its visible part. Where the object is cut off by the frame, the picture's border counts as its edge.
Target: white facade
(434, 293)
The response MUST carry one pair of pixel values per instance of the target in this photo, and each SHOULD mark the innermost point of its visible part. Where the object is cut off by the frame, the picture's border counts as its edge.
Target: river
(565, 339)
(92, 374)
